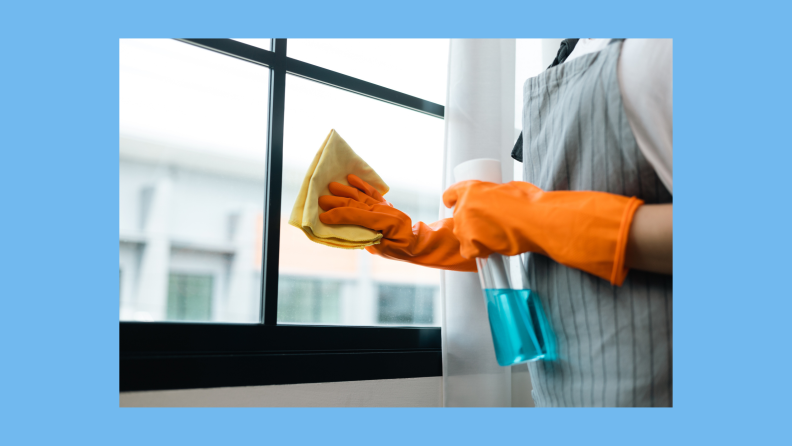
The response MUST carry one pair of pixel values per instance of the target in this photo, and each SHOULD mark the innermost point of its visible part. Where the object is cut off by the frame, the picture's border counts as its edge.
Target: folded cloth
(334, 161)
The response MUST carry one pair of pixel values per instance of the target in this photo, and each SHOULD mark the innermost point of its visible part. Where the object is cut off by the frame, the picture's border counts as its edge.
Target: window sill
(169, 356)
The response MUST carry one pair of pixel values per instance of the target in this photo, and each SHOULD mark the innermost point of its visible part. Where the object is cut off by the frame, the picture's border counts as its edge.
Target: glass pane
(192, 152)
(189, 297)
(260, 43)
(309, 300)
(404, 304)
(319, 284)
(416, 67)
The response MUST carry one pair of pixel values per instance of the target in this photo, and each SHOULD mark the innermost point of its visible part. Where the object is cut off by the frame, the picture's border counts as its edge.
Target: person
(593, 219)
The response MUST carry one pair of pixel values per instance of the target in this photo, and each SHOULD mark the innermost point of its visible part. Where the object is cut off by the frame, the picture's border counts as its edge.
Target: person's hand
(581, 229)
(358, 191)
(431, 245)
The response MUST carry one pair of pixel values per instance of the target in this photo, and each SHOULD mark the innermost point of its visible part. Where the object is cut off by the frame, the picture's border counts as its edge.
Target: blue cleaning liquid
(520, 329)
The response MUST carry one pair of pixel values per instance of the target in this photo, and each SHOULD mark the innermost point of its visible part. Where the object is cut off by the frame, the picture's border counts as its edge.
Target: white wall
(414, 392)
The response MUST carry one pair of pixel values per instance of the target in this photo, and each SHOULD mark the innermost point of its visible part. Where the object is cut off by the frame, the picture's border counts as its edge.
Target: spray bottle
(520, 329)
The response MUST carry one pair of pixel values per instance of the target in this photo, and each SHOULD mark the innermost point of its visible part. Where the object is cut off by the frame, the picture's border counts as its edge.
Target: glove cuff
(619, 273)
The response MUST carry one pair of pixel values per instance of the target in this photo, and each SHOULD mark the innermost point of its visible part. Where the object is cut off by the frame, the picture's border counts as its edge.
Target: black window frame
(178, 355)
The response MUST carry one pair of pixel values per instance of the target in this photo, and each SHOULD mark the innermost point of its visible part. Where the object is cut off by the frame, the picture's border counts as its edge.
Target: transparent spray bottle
(520, 329)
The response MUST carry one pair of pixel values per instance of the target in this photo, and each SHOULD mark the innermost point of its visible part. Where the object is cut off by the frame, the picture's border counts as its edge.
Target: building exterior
(190, 248)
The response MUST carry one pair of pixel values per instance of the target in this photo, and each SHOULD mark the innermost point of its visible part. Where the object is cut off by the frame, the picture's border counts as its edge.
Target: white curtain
(479, 123)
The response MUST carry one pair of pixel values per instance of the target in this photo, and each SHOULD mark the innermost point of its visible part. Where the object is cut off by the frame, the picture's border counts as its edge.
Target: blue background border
(59, 177)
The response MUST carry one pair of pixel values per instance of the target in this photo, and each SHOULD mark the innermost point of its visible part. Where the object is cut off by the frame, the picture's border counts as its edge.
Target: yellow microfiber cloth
(333, 162)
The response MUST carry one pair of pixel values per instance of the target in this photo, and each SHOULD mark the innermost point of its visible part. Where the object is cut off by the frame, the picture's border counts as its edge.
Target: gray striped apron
(614, 343)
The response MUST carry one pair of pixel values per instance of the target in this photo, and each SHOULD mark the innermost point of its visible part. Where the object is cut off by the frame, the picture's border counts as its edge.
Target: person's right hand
(431, 245)
(587, 230)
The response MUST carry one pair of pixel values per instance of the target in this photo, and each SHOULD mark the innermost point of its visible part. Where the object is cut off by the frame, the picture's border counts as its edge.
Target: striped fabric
(614, 343)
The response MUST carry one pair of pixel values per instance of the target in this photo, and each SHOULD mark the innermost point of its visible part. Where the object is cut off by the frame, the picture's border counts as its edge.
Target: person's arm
(650, 241)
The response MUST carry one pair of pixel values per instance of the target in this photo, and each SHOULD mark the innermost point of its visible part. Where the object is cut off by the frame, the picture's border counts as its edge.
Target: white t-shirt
(645, 73)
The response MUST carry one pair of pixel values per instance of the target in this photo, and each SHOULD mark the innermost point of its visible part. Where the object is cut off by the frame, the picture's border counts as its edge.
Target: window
(392, 140)
(264, 44)
(192, 172)
(189, 297)
(407, 304)
(304, 300)
(413, 66)
(218, 290)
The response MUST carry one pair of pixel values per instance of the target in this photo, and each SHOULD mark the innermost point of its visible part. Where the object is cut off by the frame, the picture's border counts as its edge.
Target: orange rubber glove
(580, 229)
(432, 245)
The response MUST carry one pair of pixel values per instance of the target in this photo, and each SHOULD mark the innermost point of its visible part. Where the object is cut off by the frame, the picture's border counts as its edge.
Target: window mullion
(269, 283)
